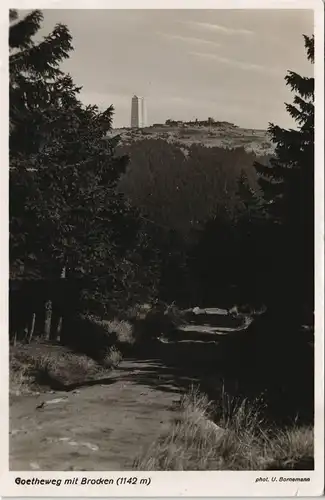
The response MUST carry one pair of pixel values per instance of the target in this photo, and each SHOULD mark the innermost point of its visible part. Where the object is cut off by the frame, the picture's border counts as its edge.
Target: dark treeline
(66, 217)
(106, 226)
(202, 200)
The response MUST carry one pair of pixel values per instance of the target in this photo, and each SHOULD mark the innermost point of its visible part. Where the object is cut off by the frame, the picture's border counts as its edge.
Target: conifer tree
(288, 189)
(33, 72)
(63, 169)
(251, 230)
(65, 211)
(250, 206)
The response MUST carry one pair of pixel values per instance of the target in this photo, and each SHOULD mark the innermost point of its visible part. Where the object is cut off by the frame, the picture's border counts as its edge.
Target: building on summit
(138, 112)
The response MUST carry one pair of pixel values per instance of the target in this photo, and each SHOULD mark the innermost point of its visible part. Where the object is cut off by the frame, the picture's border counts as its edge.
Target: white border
(167, 4)
(171, 484)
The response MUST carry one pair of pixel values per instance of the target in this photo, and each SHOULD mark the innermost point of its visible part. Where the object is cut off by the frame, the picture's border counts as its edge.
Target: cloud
(238, 64)
(221, 29)
(188, 39)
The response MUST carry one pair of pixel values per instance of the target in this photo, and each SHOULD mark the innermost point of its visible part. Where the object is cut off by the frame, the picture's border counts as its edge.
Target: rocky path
(99, 427)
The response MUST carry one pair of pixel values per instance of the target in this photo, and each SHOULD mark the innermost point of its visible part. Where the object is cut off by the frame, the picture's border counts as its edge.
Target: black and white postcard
(162, 253)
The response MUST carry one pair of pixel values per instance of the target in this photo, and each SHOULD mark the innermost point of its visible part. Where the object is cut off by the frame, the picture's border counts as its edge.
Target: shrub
(122, 329)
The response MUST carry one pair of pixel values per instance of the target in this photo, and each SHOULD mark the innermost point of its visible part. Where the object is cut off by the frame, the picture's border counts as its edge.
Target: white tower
(138, 112)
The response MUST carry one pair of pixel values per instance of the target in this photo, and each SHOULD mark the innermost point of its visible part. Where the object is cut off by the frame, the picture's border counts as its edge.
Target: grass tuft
(195, 442)
(112, 358)
(34, 366)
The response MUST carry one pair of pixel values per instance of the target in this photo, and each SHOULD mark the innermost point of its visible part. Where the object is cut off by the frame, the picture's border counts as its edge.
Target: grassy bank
(90, 348)
(39, 366)
(239, 442)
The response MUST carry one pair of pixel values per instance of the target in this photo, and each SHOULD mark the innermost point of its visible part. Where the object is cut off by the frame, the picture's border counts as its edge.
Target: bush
(122, 329)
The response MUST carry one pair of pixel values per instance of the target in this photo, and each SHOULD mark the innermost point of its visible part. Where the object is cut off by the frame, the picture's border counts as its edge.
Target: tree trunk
(58, 329)
(26, 331)
(32, 328)
(60, 320)
(48, 320)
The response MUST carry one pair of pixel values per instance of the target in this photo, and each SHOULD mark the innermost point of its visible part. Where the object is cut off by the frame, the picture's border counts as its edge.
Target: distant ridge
(211, 134)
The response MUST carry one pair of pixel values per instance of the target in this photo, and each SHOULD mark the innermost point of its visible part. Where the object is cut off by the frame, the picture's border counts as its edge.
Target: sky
(187, 64)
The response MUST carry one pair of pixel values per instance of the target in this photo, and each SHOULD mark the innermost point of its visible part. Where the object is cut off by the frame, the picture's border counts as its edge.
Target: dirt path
(97, 427)
(104, 425)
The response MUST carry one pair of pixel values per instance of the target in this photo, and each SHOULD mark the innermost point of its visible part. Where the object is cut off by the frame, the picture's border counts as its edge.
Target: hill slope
(223, 135)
